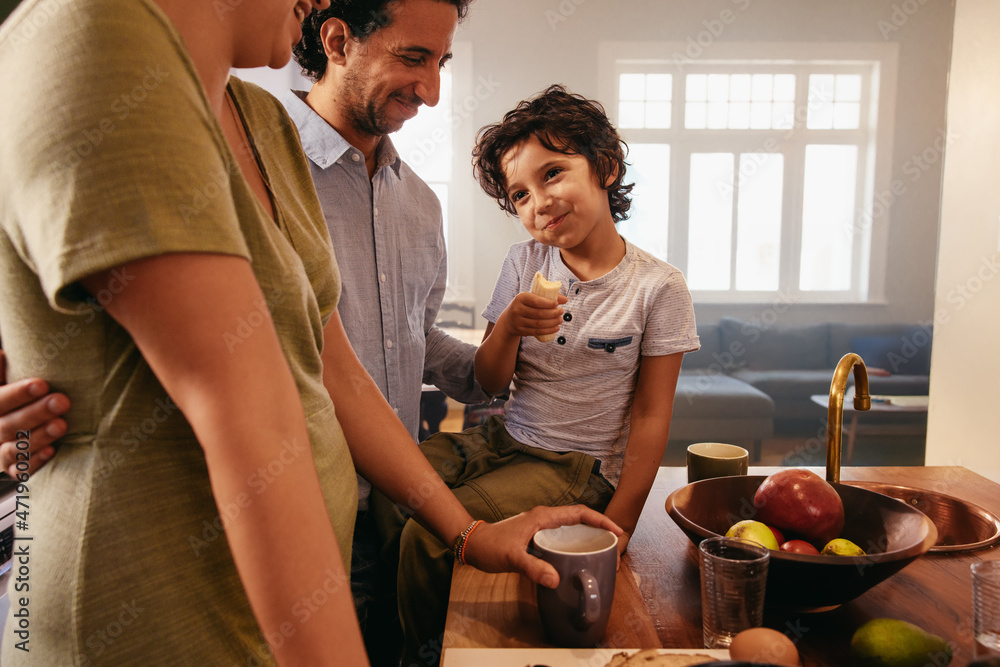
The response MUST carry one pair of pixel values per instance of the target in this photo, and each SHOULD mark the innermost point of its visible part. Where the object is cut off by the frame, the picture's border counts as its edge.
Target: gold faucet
(835, 413)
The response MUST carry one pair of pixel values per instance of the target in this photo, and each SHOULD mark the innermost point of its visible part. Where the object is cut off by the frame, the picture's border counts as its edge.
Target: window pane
(760, 115)
(846, 115)
(631, 86)
(848, 88)
(718, 87)
(758, 236)
(696, 115)
(820, 102)
(697, 88)
(646, 225)
(820, 115)
(784, 87)
(631, 114)
(828, 217)
(782, 115)
(658, 87)
(718, 115)
(739, 115)
(761, 88)
(739, 88)
(425, 141)
(658, 114)
(710, 221)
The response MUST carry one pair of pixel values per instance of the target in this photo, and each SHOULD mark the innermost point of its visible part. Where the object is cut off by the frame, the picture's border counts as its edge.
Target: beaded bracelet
(462, 540)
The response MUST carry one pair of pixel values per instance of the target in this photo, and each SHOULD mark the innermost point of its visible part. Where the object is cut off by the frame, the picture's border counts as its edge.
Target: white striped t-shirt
(575, 393)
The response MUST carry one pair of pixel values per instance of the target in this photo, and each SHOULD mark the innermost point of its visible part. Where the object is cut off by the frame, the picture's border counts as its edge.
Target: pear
(842, 547)
(888, 642)
(753, 531)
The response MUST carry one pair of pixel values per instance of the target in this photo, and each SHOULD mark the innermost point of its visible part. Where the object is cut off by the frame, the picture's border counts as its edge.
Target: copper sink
(961, 525)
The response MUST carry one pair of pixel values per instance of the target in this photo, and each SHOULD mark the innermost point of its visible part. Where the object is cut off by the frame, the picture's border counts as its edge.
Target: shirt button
(388, 344)
(375, 210)
(567, 317)
(382, 277)
(577, 290)
(610, 347)
(355, 157)
(561, 340)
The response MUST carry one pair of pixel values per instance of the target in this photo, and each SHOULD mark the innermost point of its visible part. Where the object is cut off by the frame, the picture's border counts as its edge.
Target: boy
(589, 413)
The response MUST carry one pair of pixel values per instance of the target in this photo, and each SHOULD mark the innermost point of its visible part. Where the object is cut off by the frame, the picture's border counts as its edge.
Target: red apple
(777, 535)
(801, 502)
(799, 547)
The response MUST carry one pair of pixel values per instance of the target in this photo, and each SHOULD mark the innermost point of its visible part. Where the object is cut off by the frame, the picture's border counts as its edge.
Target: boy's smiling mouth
(554, 223)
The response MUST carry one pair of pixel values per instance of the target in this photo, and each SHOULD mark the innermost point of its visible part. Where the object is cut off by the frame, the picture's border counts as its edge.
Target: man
(373, 64)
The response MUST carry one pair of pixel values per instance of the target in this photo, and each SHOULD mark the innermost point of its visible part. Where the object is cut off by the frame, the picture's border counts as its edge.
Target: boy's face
(557, 196)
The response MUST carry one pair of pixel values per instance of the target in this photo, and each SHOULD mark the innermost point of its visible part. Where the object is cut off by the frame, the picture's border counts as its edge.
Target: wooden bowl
(891, 532)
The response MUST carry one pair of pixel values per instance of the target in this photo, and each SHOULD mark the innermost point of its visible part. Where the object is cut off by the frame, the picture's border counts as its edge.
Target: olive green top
(110, 153)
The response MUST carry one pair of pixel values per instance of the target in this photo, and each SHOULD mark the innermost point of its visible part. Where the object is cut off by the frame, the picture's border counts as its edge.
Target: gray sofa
(750, 379)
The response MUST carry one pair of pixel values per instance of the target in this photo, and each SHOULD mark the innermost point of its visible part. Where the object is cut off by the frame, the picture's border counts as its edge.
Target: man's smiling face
(397, 68)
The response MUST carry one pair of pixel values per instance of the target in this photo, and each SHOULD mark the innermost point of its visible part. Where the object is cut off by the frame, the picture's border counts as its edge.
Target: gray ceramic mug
(575, 613)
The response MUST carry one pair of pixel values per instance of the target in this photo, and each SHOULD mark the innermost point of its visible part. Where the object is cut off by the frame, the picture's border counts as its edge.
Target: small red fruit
(777, 535)
(798, 547)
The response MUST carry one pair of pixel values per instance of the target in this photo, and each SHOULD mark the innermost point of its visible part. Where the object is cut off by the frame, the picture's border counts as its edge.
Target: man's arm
(649, 428)
(27, 406)
(243, 405)
(385, 454)
(449, 366)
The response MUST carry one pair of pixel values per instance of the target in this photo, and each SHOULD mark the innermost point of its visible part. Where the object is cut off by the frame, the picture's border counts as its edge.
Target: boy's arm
(649, 428)
(527, 315)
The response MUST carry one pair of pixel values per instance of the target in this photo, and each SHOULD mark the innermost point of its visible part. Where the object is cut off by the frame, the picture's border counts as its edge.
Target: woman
(165, 262)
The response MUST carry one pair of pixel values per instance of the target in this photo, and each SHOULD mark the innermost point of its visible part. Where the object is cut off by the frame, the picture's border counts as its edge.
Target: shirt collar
(322, 143)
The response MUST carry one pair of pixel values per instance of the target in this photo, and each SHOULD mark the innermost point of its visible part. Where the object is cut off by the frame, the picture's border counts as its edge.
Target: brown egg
(764, 645)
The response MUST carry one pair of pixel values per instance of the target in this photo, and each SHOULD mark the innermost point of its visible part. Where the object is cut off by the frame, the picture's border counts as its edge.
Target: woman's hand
(27, 406)
(503, 546)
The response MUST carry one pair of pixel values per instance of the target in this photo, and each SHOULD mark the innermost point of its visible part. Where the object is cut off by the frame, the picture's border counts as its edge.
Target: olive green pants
(494, 477)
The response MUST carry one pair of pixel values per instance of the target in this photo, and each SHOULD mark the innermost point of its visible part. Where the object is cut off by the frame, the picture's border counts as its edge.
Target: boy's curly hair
(563, 122)
(363, 17)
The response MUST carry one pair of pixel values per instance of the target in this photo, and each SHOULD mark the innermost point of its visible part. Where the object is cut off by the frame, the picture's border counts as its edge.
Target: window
(755, 170)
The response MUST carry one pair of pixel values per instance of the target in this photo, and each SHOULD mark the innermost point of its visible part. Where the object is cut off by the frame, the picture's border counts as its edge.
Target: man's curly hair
(562, 122)
(363, 17)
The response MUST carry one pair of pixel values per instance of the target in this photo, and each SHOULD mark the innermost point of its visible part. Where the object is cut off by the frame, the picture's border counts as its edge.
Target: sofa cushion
(718, 395)
(708, 353)
(784, 384)
(898, 348)
(758, 347)
(899, 385)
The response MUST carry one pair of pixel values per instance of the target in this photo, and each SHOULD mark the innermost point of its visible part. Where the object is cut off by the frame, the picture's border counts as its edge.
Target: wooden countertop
(657, 597)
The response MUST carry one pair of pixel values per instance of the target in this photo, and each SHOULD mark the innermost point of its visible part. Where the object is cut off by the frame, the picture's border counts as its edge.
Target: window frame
(878, 65)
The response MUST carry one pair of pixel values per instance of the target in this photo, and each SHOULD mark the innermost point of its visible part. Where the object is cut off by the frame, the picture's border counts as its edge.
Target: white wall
(963, 425)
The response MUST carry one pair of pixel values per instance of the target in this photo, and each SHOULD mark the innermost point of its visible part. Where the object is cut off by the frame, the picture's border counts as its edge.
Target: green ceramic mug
(715, 459)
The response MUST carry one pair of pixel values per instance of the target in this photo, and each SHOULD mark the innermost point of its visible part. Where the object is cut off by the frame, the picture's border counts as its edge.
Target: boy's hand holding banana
(535, 313)
(548, 289)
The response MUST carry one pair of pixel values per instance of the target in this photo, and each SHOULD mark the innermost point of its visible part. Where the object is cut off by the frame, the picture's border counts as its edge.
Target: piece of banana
(548, 289)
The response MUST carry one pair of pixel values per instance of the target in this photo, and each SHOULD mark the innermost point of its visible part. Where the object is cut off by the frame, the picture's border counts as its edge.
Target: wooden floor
(787, 449)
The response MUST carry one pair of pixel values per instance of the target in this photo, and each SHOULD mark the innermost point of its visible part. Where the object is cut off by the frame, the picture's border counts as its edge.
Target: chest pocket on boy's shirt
(614, 351)
(419, 271)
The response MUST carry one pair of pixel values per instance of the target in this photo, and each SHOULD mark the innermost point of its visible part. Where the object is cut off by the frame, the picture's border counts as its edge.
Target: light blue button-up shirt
(388, 237)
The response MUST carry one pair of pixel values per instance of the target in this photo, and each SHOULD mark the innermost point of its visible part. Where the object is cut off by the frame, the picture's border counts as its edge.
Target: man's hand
(531, 315)
(27, 405)
(503, 546)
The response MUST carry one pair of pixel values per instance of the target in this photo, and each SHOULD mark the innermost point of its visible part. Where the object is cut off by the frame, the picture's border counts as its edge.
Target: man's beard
(366, 116)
